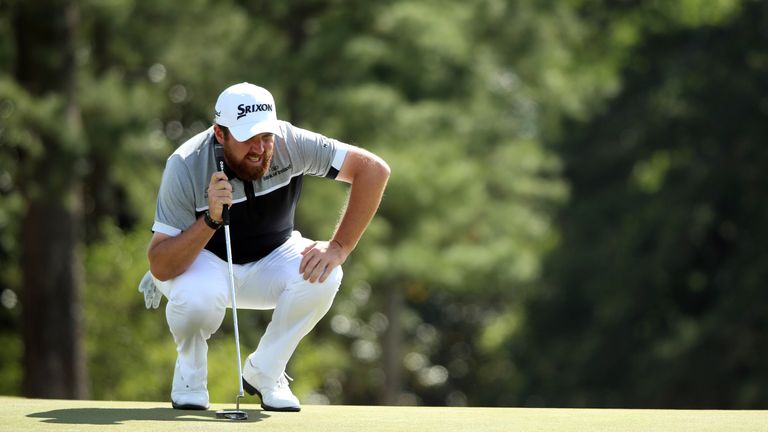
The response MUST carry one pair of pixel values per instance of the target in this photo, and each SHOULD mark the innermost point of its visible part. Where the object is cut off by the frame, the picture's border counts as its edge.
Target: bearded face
(250, 159)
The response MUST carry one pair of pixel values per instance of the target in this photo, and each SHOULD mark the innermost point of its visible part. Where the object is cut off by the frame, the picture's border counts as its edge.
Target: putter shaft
(234, 314)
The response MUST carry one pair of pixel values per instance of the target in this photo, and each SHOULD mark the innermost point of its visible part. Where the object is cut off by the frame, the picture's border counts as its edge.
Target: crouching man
(274, 266)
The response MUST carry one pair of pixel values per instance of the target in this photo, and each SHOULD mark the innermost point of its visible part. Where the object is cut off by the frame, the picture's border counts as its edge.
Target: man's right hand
(170, 256)
(219, 194)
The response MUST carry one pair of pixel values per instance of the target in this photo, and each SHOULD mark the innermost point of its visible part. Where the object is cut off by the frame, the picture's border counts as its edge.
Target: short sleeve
(175, 211)
(320, 156)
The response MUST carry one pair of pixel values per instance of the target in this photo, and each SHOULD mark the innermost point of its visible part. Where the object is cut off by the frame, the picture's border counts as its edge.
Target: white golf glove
(152, 295)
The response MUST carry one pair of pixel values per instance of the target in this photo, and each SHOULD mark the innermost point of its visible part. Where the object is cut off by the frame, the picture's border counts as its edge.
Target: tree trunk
(54, 363)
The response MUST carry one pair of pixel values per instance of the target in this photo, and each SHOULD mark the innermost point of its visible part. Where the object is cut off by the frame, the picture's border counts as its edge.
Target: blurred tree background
(574, 216)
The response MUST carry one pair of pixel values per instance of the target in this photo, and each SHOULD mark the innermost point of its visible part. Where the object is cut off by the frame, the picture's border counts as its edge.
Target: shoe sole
(251, 390)
(188, 407)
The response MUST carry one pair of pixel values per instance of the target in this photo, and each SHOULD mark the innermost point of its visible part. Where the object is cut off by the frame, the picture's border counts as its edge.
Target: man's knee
(334, 279)
(330, 286)
(187, 315)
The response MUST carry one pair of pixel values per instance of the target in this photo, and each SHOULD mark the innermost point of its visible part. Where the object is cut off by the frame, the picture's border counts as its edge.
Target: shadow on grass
(116, 416)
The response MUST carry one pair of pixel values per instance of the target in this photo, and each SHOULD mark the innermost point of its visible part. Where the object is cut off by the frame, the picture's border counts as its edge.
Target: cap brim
(246, 131)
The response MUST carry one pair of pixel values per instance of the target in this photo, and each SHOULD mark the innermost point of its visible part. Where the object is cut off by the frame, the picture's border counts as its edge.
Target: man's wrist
(341, 245)
(214, 225)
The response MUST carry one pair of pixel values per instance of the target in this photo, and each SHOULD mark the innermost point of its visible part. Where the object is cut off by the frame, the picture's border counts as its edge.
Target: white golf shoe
(190, 389)
(275, 395)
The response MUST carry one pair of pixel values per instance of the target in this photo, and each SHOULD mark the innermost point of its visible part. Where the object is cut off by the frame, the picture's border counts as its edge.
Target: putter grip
(218, 154)
(225, 214)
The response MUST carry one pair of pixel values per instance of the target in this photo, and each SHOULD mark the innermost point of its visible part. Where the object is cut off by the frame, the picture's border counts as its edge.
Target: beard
(247, 170)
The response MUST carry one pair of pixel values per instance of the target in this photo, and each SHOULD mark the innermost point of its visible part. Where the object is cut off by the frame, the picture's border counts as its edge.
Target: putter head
(232, 415)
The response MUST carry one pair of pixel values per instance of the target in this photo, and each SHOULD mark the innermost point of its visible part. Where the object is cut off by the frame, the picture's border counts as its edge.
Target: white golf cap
(247, 110)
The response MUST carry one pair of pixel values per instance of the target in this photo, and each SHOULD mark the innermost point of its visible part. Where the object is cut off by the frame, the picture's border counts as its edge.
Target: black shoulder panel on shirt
(332, 173)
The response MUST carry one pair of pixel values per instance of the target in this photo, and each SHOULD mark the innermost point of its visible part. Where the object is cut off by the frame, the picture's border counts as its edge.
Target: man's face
(249, 159)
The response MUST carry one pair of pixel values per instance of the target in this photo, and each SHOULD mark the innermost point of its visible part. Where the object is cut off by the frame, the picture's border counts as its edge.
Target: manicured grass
(20, 414)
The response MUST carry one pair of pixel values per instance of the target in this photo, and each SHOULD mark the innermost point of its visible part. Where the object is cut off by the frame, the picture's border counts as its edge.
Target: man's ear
(218, 133)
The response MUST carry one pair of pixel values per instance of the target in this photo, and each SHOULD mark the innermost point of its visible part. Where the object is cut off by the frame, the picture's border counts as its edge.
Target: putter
(237, 413)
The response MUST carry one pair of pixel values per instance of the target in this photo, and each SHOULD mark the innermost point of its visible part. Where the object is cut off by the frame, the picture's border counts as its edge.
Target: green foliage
(654, 297)
(129, 348)
(607, 259)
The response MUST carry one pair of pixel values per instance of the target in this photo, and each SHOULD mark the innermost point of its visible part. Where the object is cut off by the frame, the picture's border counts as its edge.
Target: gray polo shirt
(262, 213)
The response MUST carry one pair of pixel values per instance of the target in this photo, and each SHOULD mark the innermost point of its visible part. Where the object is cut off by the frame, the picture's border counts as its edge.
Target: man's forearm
(172, 256)
(364, 199)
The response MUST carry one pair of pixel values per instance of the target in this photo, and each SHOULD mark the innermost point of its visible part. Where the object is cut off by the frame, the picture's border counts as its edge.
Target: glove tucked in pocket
(152, 295)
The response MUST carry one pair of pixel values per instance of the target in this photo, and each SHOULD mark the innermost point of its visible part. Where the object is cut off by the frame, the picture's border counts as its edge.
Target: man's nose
(257, 145)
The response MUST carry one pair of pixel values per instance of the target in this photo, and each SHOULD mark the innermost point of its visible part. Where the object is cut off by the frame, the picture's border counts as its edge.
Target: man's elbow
(159, 271)
(386, 169)
(382, 169)
(159, 274)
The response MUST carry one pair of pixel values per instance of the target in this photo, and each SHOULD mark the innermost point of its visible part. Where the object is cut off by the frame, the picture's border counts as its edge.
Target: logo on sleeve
(244, 109)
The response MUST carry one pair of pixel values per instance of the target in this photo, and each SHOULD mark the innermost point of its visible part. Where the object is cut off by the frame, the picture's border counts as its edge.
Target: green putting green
(19, 414)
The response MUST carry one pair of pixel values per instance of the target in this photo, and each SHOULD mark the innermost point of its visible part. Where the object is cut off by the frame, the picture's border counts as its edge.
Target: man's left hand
(319, 260)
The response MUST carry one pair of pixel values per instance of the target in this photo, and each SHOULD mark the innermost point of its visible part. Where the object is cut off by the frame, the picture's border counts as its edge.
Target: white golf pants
(198, 298)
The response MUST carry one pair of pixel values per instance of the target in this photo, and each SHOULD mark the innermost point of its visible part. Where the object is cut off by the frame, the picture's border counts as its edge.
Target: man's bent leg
(298, 310)
(197, 301)
(299, 306)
